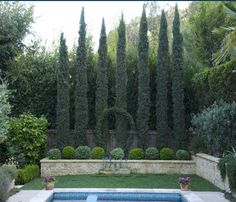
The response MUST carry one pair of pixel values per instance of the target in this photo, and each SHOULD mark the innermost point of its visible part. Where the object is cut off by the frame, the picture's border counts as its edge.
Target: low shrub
(198, 145)
(117, 153)
(166, 154)
(54, 154)
(68, 152)
(27, 174)
(136, 154)
(11, 170)
(4, 184)
(182, 155)
(83, 152)
(98, 153)
(151, 153)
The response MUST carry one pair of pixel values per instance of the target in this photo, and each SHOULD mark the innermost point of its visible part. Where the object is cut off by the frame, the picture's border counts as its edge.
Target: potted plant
(49, 182)
(184, 183)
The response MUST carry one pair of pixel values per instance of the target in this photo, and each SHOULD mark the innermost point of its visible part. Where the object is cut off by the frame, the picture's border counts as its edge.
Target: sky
(52, 18)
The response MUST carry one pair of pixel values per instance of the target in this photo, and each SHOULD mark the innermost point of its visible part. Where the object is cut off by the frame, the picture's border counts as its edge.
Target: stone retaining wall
(76, 167)
(206, 167)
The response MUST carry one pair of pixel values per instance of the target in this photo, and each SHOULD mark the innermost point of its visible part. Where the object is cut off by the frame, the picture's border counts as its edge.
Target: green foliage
(151, 153)
(231, 172)
(162, 84)
(136, 154)
(166, 154)
(10, 170)
(121, 84)
(117, 153)
(177, 84)
(54, 153)
(15, 21)
(68, 152)
(222, 165)
(63, 97)
(98, 153)
(5, 180)
(27, 136)
(215, 83)
(101, 82)
(217, 124)
(5, 109)
(83, 152)
(27, 174)
(198, 144)
(101, 139)
(182, 155)
(81, 87)
(143, 83)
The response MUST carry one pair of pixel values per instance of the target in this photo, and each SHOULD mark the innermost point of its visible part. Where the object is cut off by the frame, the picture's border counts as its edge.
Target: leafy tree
(121, 84)
(143, 83)
(178, 85)
(5, 109)
(102, 90)
(217, 125)
(162, 82)
(81, 102)
(15, 21)
(63, 98)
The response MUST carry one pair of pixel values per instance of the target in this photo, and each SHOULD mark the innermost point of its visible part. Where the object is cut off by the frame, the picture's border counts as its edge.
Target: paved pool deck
(27, 195)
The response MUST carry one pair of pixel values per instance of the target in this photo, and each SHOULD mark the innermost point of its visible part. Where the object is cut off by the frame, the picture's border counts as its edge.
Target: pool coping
(46, 195)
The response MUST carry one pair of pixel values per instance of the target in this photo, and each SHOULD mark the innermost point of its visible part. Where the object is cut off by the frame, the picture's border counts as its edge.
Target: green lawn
(124, 181)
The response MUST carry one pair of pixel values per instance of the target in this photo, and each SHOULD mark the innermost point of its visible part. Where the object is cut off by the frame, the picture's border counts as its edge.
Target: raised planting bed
(77, 167)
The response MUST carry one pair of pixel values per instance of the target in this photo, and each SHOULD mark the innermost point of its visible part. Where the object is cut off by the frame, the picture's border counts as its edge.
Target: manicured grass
(124, 181)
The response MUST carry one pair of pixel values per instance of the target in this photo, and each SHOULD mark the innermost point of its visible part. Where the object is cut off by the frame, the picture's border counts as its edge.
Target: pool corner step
(91, 198)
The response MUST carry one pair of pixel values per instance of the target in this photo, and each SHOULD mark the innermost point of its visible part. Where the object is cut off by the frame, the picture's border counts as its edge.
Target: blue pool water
(118, 197)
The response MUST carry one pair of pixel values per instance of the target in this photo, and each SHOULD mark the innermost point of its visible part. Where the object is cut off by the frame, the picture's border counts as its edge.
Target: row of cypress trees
(163, 64)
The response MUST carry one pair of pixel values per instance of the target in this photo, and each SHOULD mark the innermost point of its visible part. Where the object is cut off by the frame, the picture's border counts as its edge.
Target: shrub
(136, 154)
(54, 154)
(27, 136)
(151, 153)
(198, 144)
(117, 153)
(68, 152)
(83, 152)
(5, 181)
(98, 153)
(27, 174)
(11, 170)
(182, 155)
(166, 153)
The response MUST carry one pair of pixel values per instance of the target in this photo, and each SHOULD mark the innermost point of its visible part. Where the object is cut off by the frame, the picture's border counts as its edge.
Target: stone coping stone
(46, 160)
(208, 157)
(46, 196)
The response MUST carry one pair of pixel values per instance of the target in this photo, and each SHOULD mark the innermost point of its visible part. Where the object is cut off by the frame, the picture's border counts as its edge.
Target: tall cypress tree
(63, 98)
(81, 88)
(102, 82)
(178, 84)
(143, 83)
(121, 85)
(162, 84)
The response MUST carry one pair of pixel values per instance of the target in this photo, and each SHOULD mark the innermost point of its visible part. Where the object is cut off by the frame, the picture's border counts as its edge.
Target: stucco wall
(206, 167)
(76, 167)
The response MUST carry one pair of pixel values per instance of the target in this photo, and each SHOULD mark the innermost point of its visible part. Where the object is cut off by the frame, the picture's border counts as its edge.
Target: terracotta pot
(184, 187)
(49, 186)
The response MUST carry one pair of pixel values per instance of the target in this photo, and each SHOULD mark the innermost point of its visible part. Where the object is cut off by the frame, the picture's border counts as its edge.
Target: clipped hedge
(27, 174)
(117, 153)
(83, 152)
(182, 155)
(68, 152)
(54, 154)
(166, 154)
(98, 153)
(136, 154)
(151, 153)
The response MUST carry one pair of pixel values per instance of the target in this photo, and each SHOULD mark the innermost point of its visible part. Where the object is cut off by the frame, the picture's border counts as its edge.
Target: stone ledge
(208, 157)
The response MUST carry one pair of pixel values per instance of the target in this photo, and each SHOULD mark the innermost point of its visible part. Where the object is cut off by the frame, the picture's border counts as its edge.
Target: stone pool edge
(46, 196)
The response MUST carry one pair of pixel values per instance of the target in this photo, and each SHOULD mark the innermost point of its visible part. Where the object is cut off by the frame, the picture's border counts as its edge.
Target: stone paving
(27, 195)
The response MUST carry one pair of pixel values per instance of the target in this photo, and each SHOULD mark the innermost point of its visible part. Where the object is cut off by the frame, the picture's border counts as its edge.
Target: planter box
(77, 167)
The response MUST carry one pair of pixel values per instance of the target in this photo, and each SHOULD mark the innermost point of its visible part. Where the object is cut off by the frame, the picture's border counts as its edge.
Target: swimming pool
(115, 195)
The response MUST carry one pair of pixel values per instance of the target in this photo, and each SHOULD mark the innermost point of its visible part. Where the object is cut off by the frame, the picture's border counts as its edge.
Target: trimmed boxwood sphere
(166, 154)
(152, 153)
(68, 152)
(117, 153)
(54, 154)
(83, 152)
(136, 154)
(98, 153)
(182, 155)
